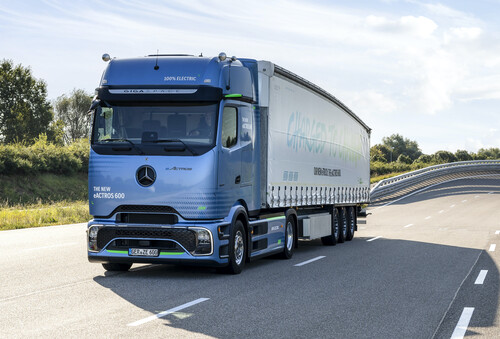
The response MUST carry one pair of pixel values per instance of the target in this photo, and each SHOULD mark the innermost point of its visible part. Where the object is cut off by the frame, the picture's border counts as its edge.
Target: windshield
(156, 129)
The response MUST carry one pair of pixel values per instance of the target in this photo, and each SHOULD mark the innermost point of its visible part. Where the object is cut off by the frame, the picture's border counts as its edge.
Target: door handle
(237, 180)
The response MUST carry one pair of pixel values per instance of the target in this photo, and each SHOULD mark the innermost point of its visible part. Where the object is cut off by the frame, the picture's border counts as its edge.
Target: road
(412, 269)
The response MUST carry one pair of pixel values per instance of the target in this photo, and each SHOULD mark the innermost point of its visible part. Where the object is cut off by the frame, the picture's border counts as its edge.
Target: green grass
(42, 200)
(44, 215)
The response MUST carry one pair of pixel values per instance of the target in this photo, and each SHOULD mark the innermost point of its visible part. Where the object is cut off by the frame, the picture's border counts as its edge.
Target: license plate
(144, 252)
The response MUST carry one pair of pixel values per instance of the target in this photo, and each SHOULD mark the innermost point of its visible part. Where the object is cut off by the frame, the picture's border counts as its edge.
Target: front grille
(184, 237)
(147, 218)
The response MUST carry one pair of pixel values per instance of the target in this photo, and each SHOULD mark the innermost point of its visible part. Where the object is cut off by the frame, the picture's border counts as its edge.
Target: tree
(404, 159)
(72, 111)
(424, 159)
(25, 112)
(379, 153)
(443, 157)
(463, 155)
(488, 154)
(400, 145)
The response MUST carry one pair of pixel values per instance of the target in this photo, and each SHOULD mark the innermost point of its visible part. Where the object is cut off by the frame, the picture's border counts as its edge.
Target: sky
(428, 70)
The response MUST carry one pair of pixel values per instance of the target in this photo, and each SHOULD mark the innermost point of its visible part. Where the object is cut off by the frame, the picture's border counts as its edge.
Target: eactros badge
(146, 176)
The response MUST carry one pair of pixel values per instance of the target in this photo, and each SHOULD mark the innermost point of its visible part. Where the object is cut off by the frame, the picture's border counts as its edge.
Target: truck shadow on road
(386, 288)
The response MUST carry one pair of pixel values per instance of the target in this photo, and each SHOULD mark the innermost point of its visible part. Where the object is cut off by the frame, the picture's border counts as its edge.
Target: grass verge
(42, 200)
(44, 215)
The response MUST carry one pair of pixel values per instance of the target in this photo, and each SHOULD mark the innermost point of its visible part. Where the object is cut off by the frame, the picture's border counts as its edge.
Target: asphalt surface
(412, 281)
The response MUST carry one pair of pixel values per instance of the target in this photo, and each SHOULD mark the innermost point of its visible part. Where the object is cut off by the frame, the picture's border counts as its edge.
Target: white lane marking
(463, 323)
(310, 261)
(441, 211)
(497, 232)
(167, 312)
(477, 196)
(409, 225)
(51, 246)
(375, 238)
(428, 217)
(452, 206)
(480, 277)
(493, 247)
(464, 200)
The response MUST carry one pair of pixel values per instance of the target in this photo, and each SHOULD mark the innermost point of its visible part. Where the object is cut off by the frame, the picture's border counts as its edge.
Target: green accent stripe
(161, 253)
(233, 95)
(118, 252)
(274, 218)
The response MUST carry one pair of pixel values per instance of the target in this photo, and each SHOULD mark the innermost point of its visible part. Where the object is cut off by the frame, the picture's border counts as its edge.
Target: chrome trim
(211, 241)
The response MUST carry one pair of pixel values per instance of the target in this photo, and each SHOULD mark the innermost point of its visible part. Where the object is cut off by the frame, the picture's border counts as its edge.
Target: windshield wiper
(123, 140)
(176, 140)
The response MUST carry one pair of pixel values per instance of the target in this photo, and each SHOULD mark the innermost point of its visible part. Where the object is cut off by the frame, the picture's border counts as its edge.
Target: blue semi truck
(218, 161)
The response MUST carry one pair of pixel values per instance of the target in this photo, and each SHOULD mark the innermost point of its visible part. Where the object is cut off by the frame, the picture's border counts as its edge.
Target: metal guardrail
(412, 181)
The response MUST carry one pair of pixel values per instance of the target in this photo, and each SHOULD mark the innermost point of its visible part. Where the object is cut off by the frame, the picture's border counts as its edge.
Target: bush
(44, 157)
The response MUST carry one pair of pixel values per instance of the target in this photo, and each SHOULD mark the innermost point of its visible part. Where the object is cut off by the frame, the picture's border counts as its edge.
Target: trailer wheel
(332, 239)
(113, 266)
(237, 249)
(289, 238)
(342, 225)
(351, 223)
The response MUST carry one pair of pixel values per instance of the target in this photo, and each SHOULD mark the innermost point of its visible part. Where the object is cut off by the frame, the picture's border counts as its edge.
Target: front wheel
(289, 238)
(237, 249)
(113, 266)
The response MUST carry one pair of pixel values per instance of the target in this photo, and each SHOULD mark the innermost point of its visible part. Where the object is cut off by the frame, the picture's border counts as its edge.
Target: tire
(116, 267)
(351, 223)
(237, 249)
(289, 238)
(342, 224)
(332, 239)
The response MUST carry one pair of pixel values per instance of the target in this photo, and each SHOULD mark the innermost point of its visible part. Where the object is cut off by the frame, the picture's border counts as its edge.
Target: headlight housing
(203, 241)
(92, 237)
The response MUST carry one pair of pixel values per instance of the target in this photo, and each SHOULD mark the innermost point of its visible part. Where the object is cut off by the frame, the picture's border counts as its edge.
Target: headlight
(92, 237)
(203, 241)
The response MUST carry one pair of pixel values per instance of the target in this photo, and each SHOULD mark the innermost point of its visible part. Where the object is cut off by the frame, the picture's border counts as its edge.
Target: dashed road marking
(465, 200)
(428, 217)
(409, 225)
(463, 323)
(441, 211)
(167, 312)
(477, 196)
(452, 206)
(310, 261)
(497, 232)
(375, 238)
(493, 247)
(480, 277)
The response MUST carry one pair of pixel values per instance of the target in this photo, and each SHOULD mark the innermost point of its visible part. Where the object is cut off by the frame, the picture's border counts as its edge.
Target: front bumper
(183, 243)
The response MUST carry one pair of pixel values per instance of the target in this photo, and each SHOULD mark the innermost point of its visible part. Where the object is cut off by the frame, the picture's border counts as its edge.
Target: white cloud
(418, 26)
(466, 33)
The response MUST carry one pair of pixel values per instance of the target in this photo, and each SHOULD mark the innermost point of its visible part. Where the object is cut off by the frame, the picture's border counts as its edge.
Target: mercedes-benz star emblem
(146, 176)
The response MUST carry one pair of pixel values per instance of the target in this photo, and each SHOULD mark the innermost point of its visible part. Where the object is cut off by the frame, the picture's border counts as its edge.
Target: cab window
(229, 131)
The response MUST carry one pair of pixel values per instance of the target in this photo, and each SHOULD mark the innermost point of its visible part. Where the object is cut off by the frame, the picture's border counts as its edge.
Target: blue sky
(424, 69)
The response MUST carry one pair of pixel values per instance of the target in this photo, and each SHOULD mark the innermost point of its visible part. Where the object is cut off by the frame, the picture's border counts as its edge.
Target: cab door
(229, 176)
